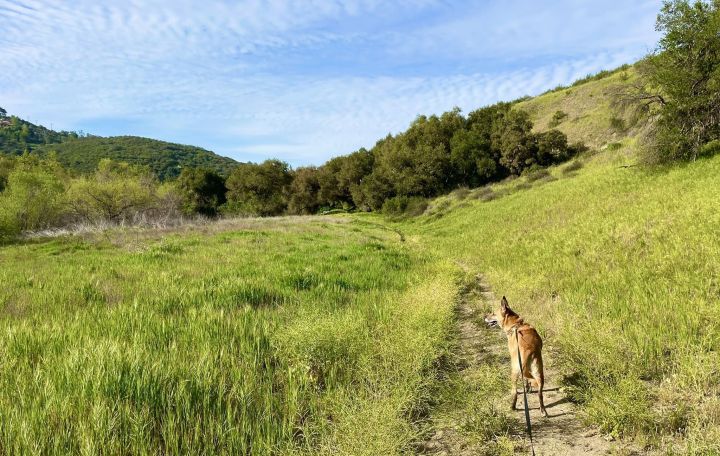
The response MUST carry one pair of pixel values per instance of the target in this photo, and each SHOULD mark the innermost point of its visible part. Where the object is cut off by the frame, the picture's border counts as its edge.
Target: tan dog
(530, 350)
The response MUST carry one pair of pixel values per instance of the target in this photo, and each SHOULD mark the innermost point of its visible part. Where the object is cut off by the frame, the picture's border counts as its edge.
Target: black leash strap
(527, 409)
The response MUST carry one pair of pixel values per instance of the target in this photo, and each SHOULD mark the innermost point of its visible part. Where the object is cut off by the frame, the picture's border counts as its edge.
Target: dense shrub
(617, 124)
(304, 191)
(405, 205)
(552, 147)
(572, 166)
(710, 149)
(537, 174)
(461, 193)
(557, 119)
(6, 165)
(117, 192)
(202, 190)
(258, 189)
(33, 196)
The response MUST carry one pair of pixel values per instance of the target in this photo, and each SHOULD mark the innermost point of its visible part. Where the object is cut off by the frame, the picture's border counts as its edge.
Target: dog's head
(498, 317)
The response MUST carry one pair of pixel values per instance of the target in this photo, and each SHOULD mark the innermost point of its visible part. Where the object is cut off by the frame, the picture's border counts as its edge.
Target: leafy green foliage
(405, 205)
(513, 138)
(552, 147)
(39, 194)
(304, 191)
(683, 77)
(202, 190)
(258, 189)
(438, 154)
(33, 196)
(6, 165)
(116, 192)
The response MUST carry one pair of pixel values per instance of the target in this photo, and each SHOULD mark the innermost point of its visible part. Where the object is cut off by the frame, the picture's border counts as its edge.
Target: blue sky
(297, 80)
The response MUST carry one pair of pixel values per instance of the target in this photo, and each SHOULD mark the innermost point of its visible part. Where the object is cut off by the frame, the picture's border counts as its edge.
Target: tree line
(436, 154)
(678, 92)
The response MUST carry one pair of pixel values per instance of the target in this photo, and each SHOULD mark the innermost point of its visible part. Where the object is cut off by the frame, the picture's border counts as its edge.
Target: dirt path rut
(563, 433)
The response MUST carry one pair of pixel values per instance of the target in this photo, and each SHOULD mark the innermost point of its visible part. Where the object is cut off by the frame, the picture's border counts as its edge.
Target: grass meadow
(618, 268)
(327, 335)
(277, 336)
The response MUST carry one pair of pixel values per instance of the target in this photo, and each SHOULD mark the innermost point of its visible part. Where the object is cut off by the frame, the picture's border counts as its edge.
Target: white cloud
(299, 80)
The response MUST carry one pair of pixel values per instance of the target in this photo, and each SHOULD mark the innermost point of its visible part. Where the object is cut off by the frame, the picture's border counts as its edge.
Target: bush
(461, 193)
(412, 206)
(259, 189)
(551, 147)
(577, 148)
(202, 190)
(682, 80)
(573, 166)
(537, 174)
(117, 192)
(484, 194)
(557, 119)
(33, 198)
(304, 191)
(617, 124)
(710, 149)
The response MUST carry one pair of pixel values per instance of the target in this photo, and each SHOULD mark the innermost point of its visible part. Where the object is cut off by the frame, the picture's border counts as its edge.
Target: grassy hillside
(305, 336)
(165, 159)
(616, 264)
(617, 267)
(591, 114)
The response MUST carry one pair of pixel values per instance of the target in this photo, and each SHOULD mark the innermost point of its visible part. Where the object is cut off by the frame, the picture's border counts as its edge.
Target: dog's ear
(504, 305)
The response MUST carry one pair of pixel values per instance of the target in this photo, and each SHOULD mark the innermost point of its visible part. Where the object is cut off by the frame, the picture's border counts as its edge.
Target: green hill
(614, 263)
(18, 136)
(587, 111)
(165, 159)
(82, 154)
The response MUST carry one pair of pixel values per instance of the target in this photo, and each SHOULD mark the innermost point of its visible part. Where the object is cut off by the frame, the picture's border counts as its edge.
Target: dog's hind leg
(514, 376)
(539, 375)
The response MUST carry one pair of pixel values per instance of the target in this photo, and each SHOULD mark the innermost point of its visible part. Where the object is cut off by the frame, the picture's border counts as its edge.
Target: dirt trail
(563, 433)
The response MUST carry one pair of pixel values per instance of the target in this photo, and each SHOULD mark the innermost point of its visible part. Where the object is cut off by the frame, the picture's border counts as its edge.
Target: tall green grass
(618, 267)
(291, 337)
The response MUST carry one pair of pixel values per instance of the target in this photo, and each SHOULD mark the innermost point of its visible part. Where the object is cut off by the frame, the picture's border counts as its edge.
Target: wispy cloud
(299, 80)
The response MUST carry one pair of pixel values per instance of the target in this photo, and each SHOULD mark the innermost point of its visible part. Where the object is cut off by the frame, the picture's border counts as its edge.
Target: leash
(527, 409)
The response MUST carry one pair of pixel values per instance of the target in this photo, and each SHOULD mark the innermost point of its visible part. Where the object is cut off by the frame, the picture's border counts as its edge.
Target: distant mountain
(165, 159)
(82, 154)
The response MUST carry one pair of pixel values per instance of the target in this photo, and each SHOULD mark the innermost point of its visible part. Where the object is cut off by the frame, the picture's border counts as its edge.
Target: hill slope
(165, 159)
(82, 154)
(615, 264)
(590, 112)
(18, 136)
